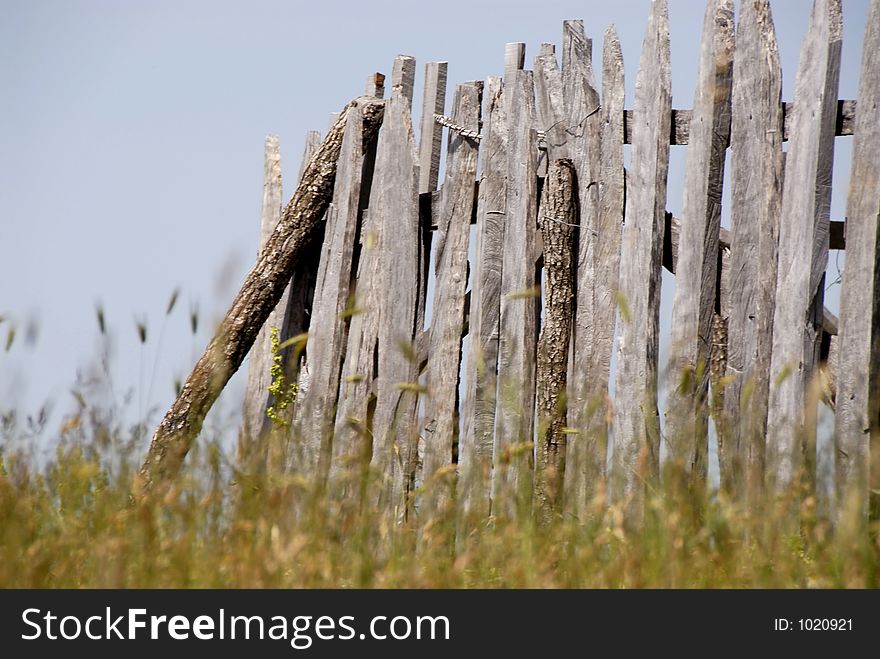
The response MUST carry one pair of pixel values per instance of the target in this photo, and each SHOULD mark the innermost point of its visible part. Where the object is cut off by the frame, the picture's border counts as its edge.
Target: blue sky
(131, 145)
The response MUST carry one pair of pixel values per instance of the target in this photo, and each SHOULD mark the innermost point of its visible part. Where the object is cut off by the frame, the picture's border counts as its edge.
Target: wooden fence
(567, 255)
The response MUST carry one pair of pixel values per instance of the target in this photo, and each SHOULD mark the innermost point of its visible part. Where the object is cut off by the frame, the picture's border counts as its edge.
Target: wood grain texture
(679, 133)
(394, 206)
(430, 132)
(259, 295)
(450, 265)
(597, 283)
(557, 220)
(803, 248)
(327, 333)
(756, 198)
(430, 143)
(476, 444)
(857, 422)
(517, 328)
(695, 283)
(636, 430)
(257, 399)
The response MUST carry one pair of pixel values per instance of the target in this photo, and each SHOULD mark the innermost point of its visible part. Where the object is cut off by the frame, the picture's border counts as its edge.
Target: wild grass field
(72, 522)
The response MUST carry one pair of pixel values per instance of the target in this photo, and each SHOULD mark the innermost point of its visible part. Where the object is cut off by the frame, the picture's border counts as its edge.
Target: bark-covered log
(557, 219)
(259, 294)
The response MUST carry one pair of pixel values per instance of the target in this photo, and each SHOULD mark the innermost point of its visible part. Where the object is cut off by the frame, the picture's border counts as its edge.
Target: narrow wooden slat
(451, 264)
(517, 329)
(695, 284)
(550, 109)
(352, 443)
(394, 206)
(375, 86)
(327, 337)
(430, 143)
(803, 247)
(476, 445)
(857, 423)
(430, 132)
(636, 457)
(558, 221)
(597, 273)
(756, 198)
(514, 59)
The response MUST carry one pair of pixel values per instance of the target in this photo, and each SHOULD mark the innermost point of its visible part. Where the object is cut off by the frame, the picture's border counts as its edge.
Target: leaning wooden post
(258, 296)
(857, 424)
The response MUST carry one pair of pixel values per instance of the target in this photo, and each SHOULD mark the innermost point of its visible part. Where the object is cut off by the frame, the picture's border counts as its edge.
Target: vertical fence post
(803, 251)
(697, 267)
(636, 457)
(857, 427)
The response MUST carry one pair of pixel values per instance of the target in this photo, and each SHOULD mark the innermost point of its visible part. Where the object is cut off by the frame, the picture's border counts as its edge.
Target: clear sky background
(131, 153)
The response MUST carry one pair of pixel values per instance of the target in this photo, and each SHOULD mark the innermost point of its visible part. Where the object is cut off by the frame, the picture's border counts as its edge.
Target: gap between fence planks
(394, 207)
(258, 296)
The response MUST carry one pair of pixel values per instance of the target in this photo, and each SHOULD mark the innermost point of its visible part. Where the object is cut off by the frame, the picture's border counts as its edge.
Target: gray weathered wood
(756, 198)
(375, 86)
(352, 444)
(288, 316)
(636, 430)
(695, 283)
(430, 132)
(514, 59)
(255, 423)
(327, 335)
(557, 220)
(681, 121)
(430, 143)
(451, 265)
(517, 329)
(476, 444)
(803, 247)
(550, 109)
(597, 278)
(857, 423)
(394, 206)
(258, 296)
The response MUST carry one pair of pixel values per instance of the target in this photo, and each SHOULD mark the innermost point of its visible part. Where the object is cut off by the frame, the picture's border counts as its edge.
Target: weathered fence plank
(756, 197)
(857, 423)
(256, 396)
(591, 357)
(394, 206)
(517, 328)
(557, 220)
(803, 248)
(476, 445)
(430, 143)
(451, 265)
(695, 282)
(636, 457)
(327, 335)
